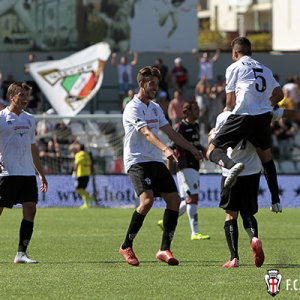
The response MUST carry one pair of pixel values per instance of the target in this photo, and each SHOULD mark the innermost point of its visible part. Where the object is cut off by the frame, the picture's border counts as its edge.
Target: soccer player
(251, 91)
(150, 177)
(235, 200)
(83, 169)
(19, 155)
(188, 168)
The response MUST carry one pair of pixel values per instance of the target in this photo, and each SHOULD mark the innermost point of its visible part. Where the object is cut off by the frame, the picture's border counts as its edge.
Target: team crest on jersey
(148, 180)
(155, 111)
(79, 81)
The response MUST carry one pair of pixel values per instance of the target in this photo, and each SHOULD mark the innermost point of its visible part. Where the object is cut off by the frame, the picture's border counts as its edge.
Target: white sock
(192, 212)
(182, 208)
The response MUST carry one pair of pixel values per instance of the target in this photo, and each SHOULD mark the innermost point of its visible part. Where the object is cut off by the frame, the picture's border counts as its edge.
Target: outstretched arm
(216, 56)
(181, 141)
(135, 59)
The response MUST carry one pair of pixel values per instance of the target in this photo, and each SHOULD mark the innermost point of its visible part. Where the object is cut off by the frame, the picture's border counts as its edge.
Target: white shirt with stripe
(137, 115)
(253, 84)
(17, 133)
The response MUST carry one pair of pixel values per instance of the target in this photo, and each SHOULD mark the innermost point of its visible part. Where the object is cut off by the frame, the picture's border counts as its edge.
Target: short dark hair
(144, 74)
(242, 45)
(81, 147)
(15, 88)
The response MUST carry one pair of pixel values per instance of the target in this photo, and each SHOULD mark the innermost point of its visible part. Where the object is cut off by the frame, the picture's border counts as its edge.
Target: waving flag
(70, 83)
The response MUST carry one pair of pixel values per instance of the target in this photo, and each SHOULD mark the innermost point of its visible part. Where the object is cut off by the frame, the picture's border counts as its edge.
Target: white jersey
(17, 133)
(206, 69)
(243, 152)
(124, 73)
(136, 116)
(253, 84)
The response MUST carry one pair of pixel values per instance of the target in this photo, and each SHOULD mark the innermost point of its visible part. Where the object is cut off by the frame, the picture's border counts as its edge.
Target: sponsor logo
(273, 280)
(220, 163)
(148, 180)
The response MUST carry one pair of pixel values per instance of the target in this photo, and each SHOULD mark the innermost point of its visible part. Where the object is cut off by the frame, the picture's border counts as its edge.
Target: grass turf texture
(79, 259)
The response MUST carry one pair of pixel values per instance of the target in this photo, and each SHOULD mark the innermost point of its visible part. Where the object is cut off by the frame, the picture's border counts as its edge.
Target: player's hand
(169, 153)
(197, 154)
(1, 166)
(194, 51)
(44, 183)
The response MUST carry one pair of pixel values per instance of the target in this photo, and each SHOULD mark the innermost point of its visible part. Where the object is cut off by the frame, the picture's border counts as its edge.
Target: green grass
(79, 259)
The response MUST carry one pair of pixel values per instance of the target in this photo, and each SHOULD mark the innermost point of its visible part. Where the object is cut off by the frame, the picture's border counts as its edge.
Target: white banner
(70, 83)
(117, 191)
(240, 2)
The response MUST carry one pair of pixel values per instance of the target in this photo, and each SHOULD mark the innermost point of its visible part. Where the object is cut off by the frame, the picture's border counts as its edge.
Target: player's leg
(170, 222)
(192, 212)
(232, 235)
(26, 230)
(271, 177)
(28, 191)
(249, 208)
(142, 177)
(1, 210)
(80, 188)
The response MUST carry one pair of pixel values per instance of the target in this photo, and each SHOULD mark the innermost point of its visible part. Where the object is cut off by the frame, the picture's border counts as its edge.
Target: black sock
(170, 223)
(271, 178)
(232, 235)
(26, 230)
(250, 225)
(134, 227)
(219, 157)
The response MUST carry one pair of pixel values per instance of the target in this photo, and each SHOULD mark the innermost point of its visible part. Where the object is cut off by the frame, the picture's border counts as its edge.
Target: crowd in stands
(56, 139)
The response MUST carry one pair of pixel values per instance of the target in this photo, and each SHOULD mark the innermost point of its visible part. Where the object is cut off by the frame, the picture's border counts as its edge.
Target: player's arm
(179, 140)
(170, 164)
(38, 167)
(276, 96)
(230, 100)
(153, 139)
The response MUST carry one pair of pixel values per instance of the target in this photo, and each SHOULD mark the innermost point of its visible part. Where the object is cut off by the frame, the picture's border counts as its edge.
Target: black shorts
(17, 189)
(81, 182)
(256, 129)
(152, 176)
(242, 196)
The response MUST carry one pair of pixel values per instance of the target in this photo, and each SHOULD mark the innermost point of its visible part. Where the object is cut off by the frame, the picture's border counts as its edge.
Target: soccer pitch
(79, 259)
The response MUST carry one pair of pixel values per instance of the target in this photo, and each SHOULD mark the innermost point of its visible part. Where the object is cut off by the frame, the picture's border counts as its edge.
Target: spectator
(5, 84)
(50, 151)
(175, 107)
(128, 98)
(206, 64)
(124, 73)
(202, 92)
(164, 103)
(288, 102)
(74, 148)
(35, 97)
(181, 75)
(284, 131)
(164, 72)
(292, 86)
(62, 137)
